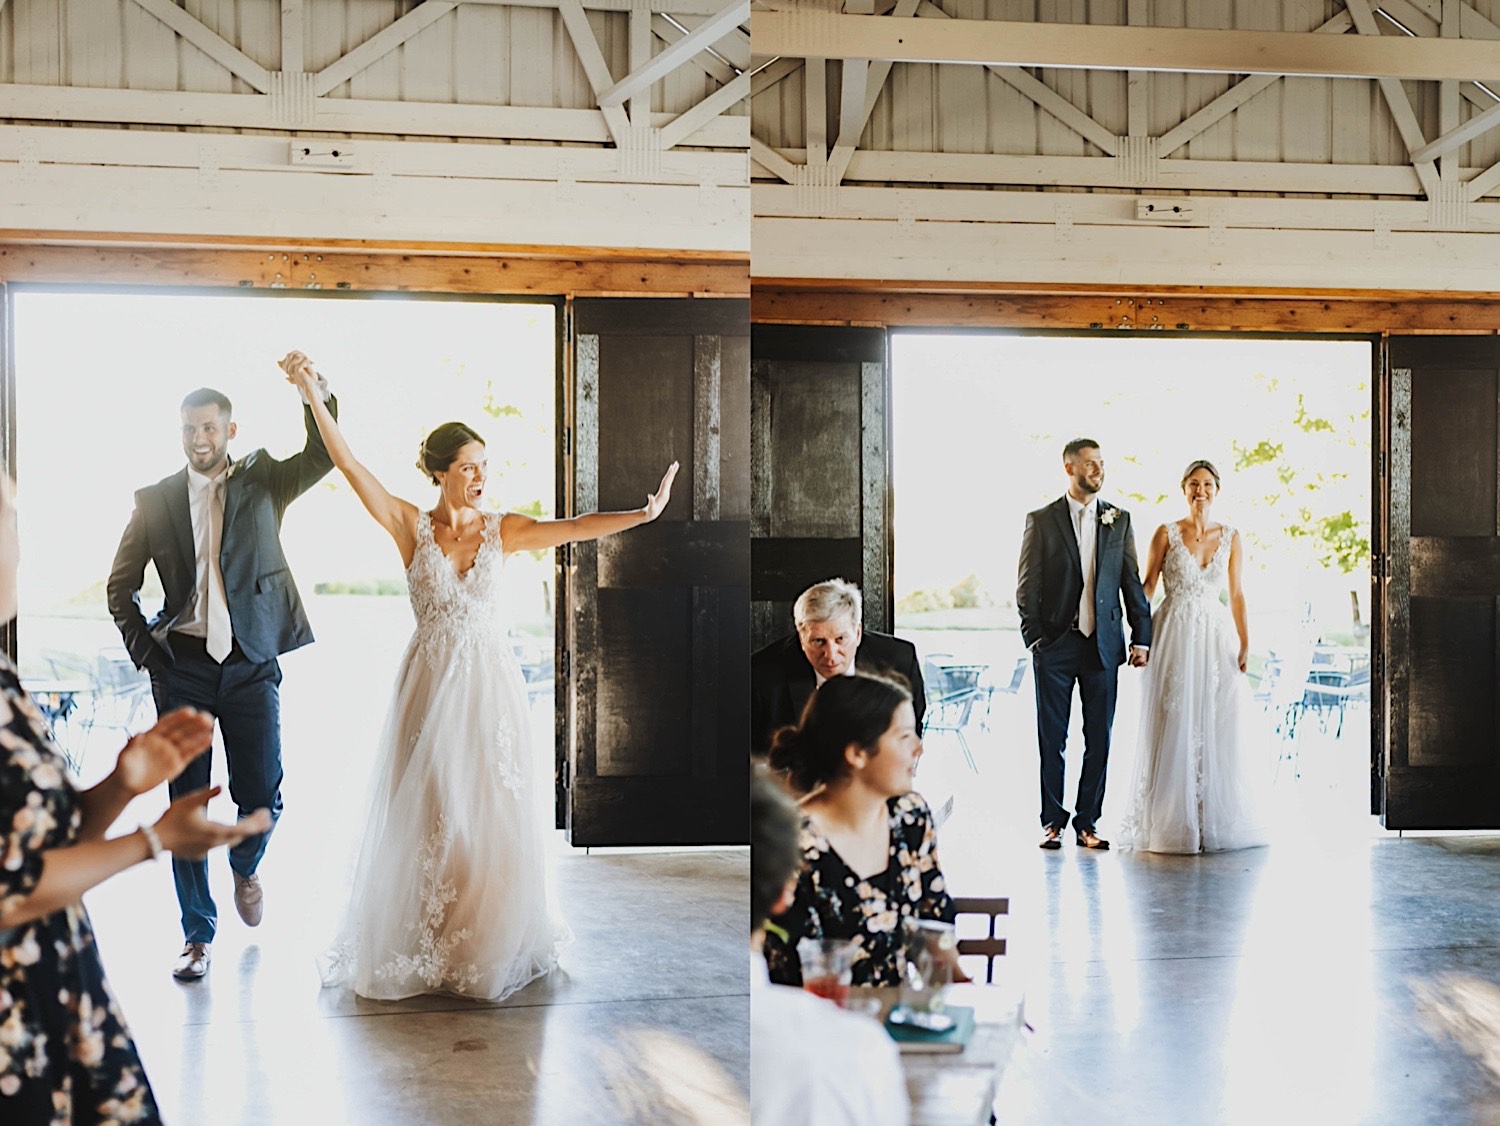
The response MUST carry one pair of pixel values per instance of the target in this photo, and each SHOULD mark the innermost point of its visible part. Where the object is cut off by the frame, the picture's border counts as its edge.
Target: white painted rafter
(733, 45)
(852, 127)
(210, 42)
(594, 66)
(1042, 94)
(704, 35)
(961, 206)
(773, 72)
(815, 101)
(334, 115)
(773, 162)
(1114, 47)
(710, 62)
(1137, 82)
(291, 35)
(1236, 96)
(1397, 101)
(382, 43)
(1105, 172)
(686, 124)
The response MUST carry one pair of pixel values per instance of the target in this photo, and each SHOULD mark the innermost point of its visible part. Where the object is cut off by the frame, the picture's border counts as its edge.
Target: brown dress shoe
(1087, 838)
(249, 899)
(193, 963)
(1051, 837)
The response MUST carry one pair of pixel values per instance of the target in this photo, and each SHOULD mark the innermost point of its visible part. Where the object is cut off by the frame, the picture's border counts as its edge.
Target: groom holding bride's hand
(1078, 565)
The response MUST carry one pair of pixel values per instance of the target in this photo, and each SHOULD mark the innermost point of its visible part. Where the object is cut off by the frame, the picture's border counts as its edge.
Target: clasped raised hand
(299, 371)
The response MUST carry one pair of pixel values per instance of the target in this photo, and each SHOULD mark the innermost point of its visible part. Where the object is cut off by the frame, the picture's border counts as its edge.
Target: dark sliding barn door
(820, 472)
(1442, 577)
(658, 630)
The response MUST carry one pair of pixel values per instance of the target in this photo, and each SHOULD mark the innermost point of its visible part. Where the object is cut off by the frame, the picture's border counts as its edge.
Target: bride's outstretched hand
(658, 500)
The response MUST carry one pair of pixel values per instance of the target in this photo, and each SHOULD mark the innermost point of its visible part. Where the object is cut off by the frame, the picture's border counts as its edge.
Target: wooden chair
(990, 946)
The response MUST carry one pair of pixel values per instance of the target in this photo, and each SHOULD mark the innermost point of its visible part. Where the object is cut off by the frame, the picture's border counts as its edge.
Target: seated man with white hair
(830, 641)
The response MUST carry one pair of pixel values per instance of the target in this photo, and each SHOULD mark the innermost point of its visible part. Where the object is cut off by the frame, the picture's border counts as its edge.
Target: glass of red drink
(827, 967)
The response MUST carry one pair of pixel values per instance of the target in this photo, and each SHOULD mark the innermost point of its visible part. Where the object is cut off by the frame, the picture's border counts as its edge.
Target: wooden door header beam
(1110, 47)
(1132, 310)
(308, 269)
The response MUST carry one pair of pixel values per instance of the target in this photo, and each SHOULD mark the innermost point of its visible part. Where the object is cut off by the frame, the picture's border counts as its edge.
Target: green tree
(1321, 511)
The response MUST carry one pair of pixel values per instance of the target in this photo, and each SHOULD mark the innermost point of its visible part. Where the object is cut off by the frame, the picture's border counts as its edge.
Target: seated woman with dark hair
(869, 850)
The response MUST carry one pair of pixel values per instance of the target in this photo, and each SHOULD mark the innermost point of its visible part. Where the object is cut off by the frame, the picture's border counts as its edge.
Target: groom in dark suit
(1078, 565)
(830, 641)
(212, 529)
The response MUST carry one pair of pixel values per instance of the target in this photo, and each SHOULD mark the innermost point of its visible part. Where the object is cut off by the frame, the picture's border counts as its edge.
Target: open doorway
(99, 375)
(978, 425)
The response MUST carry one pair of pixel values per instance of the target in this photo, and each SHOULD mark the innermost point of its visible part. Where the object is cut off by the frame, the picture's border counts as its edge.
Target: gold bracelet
(152, 841)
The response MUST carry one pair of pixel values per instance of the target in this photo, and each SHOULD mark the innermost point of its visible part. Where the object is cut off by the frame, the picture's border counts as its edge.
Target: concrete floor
(645, 1023)
(1341, 975)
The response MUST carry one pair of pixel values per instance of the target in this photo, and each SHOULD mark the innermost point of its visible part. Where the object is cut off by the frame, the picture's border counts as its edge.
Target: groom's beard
(1088, 486)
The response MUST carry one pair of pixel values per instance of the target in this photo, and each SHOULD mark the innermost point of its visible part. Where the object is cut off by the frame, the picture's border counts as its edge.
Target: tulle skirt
(450, 892)
(1198, 783)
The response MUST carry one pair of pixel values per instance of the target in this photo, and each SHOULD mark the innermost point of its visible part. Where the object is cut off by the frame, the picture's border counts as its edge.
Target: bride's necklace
(458, 535)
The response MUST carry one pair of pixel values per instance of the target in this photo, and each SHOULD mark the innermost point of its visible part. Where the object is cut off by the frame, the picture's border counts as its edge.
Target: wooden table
(957, 1088)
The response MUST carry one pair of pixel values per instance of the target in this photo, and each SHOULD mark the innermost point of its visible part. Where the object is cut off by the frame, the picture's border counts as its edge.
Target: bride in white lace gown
(450, 890)
(1196, 787)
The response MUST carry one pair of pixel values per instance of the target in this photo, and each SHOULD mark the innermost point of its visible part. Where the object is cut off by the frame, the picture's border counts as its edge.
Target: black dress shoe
(1087, 838)
(1052, 837)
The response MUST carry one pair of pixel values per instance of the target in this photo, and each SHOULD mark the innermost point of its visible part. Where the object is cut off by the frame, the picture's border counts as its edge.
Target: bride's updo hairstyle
(1193, 467)
(846, 709)
(441, 446)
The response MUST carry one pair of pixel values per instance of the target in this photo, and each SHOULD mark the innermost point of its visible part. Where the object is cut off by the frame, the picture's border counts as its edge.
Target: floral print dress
(66, 1057)
(834, 902)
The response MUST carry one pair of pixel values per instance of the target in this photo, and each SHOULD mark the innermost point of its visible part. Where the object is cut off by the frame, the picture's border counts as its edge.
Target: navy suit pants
(245, 697)
(1073, 659)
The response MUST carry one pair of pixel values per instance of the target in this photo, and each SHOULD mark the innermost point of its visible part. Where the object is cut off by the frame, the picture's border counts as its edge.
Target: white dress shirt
(1086, 528)
(820, 678)
(813, 1064)
(206, 507)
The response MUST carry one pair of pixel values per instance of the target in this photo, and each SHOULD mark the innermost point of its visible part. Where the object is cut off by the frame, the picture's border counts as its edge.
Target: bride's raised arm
(1156, 555)
(396, 516)
(522, 533)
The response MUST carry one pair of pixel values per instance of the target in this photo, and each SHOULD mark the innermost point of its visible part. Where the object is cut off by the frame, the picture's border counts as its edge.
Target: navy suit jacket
(265, 610)
(1051, 581)
(782, 680)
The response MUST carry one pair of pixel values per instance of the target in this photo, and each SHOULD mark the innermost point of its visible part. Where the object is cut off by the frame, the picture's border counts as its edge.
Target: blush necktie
(220, 638)
(1086, 543)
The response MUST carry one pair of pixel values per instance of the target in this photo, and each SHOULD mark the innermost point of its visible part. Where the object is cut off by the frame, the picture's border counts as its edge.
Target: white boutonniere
(234, 467)
(1107, 517)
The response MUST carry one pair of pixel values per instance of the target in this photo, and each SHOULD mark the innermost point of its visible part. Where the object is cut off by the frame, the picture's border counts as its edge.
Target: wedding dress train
(450, 891)
(1196, 786)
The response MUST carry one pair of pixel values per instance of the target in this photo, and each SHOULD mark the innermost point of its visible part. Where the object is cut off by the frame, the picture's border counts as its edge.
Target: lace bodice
(1184, 580)
(456, 611)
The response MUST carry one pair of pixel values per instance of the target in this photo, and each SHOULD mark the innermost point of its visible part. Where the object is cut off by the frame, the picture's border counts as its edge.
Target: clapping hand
(658, 500)
(188, 834)
(161, 754)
